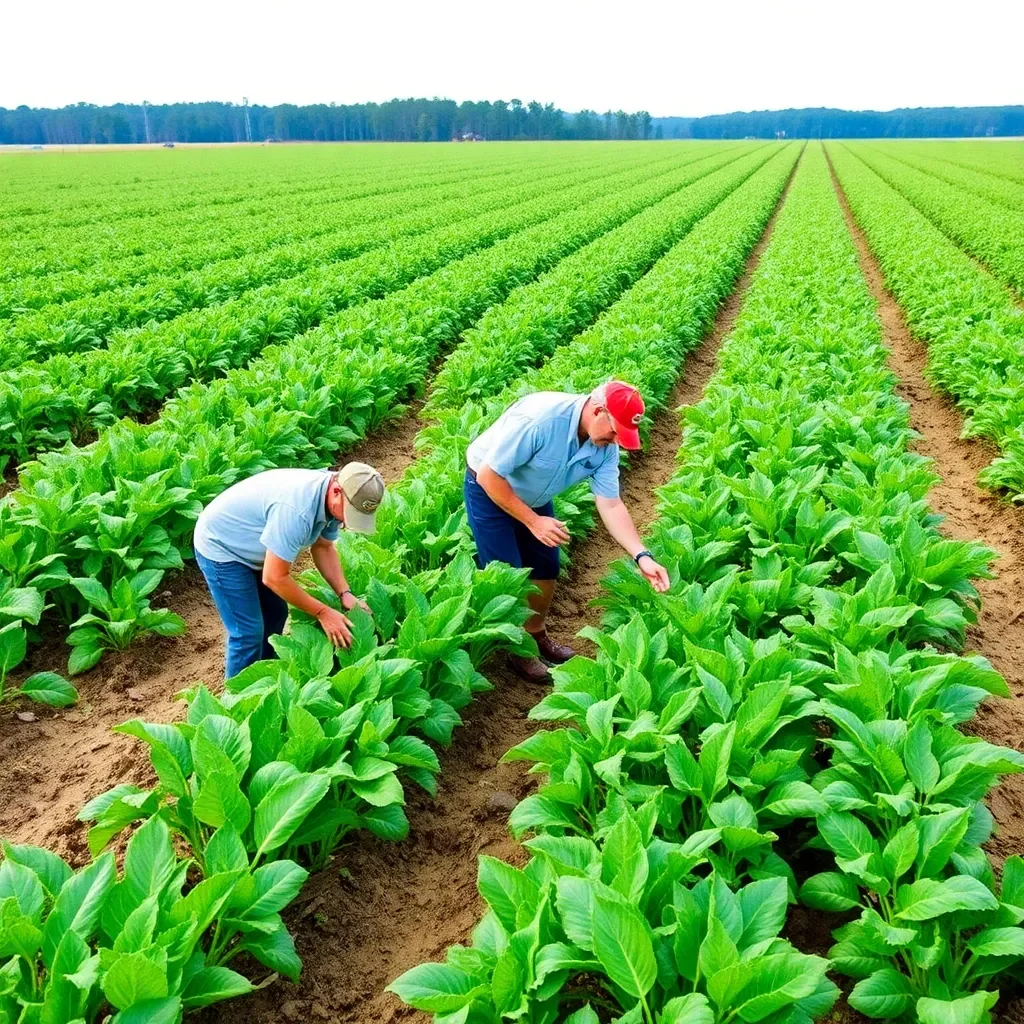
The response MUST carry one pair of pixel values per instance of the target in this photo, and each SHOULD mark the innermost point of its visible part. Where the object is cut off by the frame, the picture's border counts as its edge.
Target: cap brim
(627, 437)
(359, 522)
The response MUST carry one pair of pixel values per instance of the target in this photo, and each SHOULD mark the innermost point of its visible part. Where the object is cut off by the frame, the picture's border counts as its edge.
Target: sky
(675, 58)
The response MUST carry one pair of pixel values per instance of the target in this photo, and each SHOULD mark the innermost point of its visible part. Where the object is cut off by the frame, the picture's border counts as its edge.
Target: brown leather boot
(533, 670)
(552, 652)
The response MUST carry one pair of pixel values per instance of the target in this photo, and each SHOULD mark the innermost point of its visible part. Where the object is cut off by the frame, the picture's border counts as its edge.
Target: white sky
(683, 58)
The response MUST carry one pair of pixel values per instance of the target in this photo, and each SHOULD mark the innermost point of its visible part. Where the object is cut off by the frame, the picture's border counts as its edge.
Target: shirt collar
(321, 505)
(574, 423)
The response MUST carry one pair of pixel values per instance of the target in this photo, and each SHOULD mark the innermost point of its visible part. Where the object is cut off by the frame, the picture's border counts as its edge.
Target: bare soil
(971, 513)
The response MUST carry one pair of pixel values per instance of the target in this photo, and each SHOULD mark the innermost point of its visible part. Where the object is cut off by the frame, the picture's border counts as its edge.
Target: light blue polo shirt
(280, 510)
(535, 446)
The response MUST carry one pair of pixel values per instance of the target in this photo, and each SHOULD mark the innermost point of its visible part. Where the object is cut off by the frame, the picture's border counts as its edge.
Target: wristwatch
(642, 554)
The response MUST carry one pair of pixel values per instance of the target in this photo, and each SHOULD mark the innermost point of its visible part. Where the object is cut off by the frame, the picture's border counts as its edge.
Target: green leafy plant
(621, 925)
(96, 945)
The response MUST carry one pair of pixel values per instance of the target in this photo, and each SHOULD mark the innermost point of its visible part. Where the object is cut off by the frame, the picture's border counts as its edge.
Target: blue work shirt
(535, 446)
(280, 510)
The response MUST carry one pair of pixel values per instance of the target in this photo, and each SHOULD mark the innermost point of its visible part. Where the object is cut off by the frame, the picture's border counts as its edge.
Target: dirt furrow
(971, 513)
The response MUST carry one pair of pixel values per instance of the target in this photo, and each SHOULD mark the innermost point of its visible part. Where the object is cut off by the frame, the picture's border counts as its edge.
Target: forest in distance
(438, 120)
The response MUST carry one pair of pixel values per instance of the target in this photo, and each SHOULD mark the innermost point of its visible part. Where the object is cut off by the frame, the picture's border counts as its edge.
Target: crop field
(789, 790)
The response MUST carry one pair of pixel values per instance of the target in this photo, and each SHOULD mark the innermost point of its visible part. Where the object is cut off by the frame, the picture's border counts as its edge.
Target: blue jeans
(251, 612)
(502, 538)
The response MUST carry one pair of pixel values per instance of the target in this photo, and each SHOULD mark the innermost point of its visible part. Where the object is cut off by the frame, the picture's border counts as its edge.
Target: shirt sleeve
(330, 531)
(605, 481)
(514, 447)
(286, 532)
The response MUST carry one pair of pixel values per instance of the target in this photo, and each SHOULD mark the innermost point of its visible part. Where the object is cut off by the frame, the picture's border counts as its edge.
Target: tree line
(438, 120)
(408, 120)
(827, 123)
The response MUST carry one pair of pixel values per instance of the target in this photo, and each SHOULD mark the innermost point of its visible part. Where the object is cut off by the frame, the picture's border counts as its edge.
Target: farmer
(248, 537)
(539, 447)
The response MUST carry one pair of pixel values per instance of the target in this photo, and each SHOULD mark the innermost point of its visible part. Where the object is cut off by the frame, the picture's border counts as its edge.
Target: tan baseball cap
(363, 490)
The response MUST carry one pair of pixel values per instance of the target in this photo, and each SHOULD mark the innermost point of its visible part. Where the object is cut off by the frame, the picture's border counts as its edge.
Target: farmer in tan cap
(248, 538)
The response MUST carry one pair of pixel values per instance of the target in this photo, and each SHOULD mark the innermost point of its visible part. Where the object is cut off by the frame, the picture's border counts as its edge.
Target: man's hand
(550, 531)
(336, 626)
(657, 575)
(350, 601)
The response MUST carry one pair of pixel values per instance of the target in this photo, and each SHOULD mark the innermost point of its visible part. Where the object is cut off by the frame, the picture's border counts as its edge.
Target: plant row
(973, 329)
(779, 727)
(996, 190)
(641, 338)
(1000, 161)
(68, 396)
(989, 232)
(43, 248)
(88, 524)
(112, 294)
(536, 318)
(85, 323)
(208, 192)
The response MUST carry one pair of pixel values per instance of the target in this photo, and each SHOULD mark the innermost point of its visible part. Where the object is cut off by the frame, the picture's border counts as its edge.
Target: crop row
(988, 232)
(127, 503)
(996, 190)
(208, 190)
(158, 251)
(45, 404)
(356, 228)
(1001, 161)
(973, 329)
(809, 580)
(112, 235)
(526, 328)
(641, 338)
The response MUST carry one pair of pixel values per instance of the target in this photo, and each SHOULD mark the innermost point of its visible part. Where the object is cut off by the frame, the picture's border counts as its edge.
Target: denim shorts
(502, 538)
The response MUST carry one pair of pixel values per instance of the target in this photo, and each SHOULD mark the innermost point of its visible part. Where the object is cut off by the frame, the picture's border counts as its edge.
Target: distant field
(815, 734)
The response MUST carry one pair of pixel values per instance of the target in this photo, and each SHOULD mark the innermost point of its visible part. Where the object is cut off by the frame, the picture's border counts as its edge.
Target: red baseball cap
(626, 408)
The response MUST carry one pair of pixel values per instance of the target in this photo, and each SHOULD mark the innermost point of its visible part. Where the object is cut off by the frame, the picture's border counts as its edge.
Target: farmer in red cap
(539, 447)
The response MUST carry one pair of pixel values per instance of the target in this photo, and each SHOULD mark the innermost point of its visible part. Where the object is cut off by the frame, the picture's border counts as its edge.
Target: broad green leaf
(900, 852)
(284, 809)
(275, 950)
(24, 886)
(78, 904)
(52, 871)
(507, 890)
(885, 994)
(830, 890)
(971, 1009)
(998, 942)
(157, 1011)
(690, 1009)
(622, 942)
(764, 904)
(212, 984)
(922, 765)
(436, 988)
(133, 978)
(50, 689)
(221, 801)
(929, 897)
(149, 861)
(715, 755)
(277, 884)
